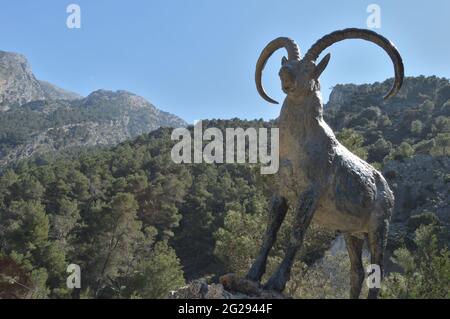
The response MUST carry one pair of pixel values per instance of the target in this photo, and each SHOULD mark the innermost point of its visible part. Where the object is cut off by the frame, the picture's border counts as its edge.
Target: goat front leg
(304, 212)
(277, 213)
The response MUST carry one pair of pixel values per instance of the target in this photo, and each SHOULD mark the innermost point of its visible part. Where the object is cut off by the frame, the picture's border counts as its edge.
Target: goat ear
(283, 61)
(322, 65)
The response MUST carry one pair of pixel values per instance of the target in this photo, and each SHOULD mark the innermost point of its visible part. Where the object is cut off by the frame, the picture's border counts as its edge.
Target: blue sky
(196, 58)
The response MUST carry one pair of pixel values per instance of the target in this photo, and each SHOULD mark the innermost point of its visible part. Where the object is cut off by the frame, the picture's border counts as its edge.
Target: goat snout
(288, 86)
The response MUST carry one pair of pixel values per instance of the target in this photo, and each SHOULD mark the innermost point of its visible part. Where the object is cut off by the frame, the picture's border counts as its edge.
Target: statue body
(321, 179)
(346, 201)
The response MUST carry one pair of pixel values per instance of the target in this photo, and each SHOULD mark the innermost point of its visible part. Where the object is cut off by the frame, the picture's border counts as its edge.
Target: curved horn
(353, 33)
(293, 54)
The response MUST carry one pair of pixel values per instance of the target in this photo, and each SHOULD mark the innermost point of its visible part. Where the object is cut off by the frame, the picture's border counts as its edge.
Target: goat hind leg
(354, 247)
(303, 216)
(377, 242)
(277, 214)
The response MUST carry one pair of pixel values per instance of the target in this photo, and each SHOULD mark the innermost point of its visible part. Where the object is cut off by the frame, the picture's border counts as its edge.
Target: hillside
(52, 92)
(38, 117)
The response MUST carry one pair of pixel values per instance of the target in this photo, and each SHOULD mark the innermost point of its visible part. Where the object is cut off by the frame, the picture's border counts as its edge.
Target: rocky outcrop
(421, 186)
(420, 183)
(18, 85)
(341, 95)
(228, 287)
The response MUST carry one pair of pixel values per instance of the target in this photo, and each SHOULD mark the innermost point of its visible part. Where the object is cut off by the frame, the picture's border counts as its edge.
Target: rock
(199, 289)
(229, 287)
(233, 283)
(421, 196)
(419, 184)
(341, 95)
(18, 85)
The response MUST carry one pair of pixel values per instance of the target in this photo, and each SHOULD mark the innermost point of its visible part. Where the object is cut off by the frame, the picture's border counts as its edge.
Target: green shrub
(425, 271)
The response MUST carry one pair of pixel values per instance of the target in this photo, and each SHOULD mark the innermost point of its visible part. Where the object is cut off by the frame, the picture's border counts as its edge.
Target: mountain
(102, 118)
(38, 117)
(18, 85)
(52, 92)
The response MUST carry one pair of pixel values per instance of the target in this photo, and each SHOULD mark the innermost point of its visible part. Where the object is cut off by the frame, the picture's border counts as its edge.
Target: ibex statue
(322, 180)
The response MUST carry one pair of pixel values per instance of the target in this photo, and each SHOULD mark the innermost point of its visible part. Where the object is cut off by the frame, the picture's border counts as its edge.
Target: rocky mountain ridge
(18, 84)
(38, 117)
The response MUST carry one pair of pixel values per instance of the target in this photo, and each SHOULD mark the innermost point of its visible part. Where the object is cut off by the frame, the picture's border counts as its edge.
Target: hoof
(275, 284)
